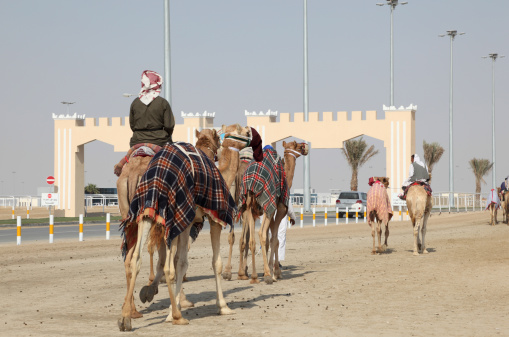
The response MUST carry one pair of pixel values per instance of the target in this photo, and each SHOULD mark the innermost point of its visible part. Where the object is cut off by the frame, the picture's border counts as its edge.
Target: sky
(229, 56)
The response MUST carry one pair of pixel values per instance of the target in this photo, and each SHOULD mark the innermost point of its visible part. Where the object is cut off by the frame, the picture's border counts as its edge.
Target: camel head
(296, 149)
(236, 136)
(383, 180)
(208, 141)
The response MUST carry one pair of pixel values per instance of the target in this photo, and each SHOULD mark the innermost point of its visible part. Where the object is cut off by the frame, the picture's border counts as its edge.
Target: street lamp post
(307, 174)
(14, 182)
(392, 4)
(167, 52)
(452, 34)
(493, 57)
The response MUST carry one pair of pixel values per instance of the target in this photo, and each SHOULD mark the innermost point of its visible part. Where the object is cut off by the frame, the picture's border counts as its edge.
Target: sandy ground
(332, 286)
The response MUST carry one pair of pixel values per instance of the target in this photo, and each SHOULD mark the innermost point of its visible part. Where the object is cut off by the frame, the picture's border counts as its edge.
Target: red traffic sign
(50, 180)
(49, 195)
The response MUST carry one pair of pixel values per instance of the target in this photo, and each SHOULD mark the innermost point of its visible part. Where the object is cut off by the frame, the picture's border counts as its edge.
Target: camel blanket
(267, 180)
(378, 204)
(492, 199)
(178, 179)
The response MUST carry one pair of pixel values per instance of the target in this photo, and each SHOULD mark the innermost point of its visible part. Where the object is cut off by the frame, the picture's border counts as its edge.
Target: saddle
(426, 186)
(138, 150)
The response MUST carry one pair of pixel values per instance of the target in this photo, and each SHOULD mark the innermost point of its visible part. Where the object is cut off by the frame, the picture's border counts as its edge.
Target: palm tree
(432, 154)
(91, 189)
(480, 168)
(356, 155)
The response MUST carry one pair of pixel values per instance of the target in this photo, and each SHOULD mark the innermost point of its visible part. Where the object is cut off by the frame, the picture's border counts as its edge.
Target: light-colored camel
(504, 205)
(379, 212)
(493, 213)
(175, 263)
(419, 207)
(253, 210)
(246, 156)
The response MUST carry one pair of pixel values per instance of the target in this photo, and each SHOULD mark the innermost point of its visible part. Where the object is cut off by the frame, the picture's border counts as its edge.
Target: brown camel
(261, 183)
(504, 204)
(419, 207)
(493, 204)
(246, 156)
(379, 211)
(181, 170)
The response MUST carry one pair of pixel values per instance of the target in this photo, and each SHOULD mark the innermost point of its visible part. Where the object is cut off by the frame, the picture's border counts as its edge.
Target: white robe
(492, 198)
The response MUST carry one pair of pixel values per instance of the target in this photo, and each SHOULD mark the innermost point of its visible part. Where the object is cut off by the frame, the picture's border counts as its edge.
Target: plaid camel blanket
(178, 179)
(267, 180)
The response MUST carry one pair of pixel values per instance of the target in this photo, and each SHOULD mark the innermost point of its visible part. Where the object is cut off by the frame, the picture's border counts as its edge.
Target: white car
(353, 200)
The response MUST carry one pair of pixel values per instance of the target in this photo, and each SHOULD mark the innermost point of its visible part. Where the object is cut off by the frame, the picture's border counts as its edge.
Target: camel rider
(418, 171)
(504, 188)
(150, 117)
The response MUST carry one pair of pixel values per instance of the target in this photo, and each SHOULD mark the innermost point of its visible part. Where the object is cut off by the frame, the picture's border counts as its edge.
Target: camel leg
(181, 265)
(217, 265)
(263, 241)
(423, 232)
(127, 264)
(124, 322)
(379, 234)
(252, 246)
(242, 274)
(148, 292)
(281, 213)
(227, 274)
(373, 235)
(175, 315)
(386, 235)
(417, 225)
(151, 254)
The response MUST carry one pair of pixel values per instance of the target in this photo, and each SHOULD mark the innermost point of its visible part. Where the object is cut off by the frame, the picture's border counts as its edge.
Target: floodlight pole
(167, 52)
(392, 4)
(493, 57)
(452, 34)
(307, 175)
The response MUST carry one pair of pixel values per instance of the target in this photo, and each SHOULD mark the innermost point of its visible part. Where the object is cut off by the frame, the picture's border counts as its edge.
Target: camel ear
(197, 133)
(284, 143)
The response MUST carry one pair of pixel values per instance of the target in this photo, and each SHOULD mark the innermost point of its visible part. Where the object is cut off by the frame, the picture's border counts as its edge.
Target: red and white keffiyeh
(151, 83)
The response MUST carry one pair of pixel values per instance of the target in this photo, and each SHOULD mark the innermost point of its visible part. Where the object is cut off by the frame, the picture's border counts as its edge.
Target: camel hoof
(268, 279)
(226, 311)
(416, 253)
(384, 248)
(124, 324)
(254, 281)
(373, 252)
(425, 251)
(136, 314)
(186, 304)
(180, 321)
(227, 275)
(242, 277)
(147, 293)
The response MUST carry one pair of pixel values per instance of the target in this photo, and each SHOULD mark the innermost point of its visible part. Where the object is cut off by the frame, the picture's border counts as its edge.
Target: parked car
(354, 200)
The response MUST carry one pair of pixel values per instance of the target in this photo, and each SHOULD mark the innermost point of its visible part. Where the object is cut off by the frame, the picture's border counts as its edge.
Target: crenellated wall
(72, 132)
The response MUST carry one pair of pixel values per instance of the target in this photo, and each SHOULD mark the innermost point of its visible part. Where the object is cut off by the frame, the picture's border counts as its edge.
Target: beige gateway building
(72, 132)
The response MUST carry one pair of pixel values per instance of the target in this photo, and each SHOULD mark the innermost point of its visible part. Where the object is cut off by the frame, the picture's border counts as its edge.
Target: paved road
(34, 233)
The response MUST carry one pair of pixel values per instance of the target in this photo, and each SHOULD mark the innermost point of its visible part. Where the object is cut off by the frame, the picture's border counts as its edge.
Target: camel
(208, 142)
(419, 207)
(379, 210)
(246, 156)
(264, 190)
(504, 204)
(493, 204)
(179, 169)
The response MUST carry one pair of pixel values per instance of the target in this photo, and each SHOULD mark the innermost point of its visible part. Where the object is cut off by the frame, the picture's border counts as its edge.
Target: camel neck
(290, 161)
(229, 165)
